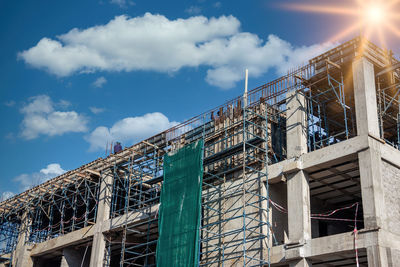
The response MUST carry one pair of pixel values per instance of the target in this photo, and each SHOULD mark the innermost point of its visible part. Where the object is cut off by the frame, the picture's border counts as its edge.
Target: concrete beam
(327, 245)
(334, 154)
(276, 171)
(340, 243)
(76, 237)
(390, 154)
(365, 97)
(86, 234)
(132, 217)
(321, 158)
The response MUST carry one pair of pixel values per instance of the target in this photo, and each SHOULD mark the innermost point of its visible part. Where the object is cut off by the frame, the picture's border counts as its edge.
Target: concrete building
(301, 171)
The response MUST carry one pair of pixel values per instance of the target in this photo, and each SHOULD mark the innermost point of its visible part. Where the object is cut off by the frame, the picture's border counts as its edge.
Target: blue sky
(77, 74)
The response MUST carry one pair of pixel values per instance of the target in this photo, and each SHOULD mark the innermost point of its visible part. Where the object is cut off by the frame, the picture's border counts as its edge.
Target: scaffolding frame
(388, 94)
(220, 241)
(328, 92)
(59, 206)
(223, 130)
(241, 138)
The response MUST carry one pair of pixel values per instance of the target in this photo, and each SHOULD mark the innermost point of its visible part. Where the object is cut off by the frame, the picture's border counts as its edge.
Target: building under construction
(301, 171)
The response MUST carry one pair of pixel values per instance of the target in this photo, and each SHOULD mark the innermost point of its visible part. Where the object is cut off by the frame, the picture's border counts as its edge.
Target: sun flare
(373, 17)
(374, 14)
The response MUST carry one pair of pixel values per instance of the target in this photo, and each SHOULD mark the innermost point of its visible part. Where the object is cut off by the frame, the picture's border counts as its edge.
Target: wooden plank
(93, 172)
(82, 175)
(333, 64)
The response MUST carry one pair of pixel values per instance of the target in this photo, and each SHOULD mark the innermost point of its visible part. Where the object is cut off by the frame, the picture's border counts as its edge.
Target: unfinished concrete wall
(222, 222)
(393, 257)
(391, 187)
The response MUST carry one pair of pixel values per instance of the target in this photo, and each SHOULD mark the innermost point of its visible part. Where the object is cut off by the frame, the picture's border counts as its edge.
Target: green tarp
(179, 214)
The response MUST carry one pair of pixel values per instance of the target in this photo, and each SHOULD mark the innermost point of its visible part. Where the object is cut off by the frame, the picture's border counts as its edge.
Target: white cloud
(41, 118)
(10, 136)
(10, 103)
(155, 43)
(122, 3)
(129, 130)
(6, 195)
(26, 181)
(95, 110)
(193, 10)
(53, 169)
(64, 104)
(99, 82)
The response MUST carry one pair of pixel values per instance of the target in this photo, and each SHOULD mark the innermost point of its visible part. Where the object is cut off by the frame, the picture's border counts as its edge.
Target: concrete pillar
(22, 256)
(365, 97)
(371, 186)
(301, 263)
(370, 159)
(377, 256)
(298, 200)
(298, 191)
(296, 122)
(103, 214)
(74, 258)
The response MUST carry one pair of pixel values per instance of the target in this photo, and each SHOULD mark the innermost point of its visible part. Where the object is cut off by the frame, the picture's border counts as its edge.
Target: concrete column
(377, 256)
(298, 191)
(103, 214)
(372, 187)
(301, 263)
(298, 200)
(22, 256)
(104, 206)
(296, 122)
(365, 97)
(74, 258)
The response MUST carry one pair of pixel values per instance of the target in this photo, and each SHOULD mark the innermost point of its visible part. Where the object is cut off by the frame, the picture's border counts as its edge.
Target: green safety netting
(179, 214)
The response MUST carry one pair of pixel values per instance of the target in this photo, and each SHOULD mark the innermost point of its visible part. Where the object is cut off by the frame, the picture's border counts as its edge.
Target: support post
(377, 256)
(371, 186)
(365, 97)
(296, 124)
(103, 214)
(298, 200)
(370, 162)
(22, 256)
(298, 190)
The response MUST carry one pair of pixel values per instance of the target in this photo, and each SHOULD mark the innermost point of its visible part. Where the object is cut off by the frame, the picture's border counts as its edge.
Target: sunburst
(373, 17)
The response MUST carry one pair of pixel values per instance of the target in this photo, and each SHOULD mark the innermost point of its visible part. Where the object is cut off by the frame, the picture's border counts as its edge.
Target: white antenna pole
(245, 87)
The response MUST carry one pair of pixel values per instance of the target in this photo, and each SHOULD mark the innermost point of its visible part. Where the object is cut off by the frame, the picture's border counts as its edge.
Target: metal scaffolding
(240, 137)
(330, 118)
(235, 206)
(388, 84)
(52, 209)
